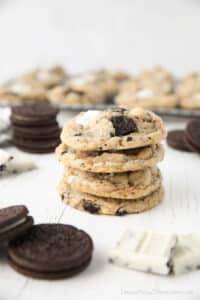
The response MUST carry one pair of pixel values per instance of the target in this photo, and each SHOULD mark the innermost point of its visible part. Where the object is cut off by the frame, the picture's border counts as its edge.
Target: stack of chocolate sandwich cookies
(35, 128)
(110, 161)
(45, 251)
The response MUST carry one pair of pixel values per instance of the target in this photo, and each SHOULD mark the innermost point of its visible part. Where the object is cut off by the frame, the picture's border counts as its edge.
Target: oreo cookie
(123, 125)
(51, 251)
(176, 140)
(192, 135)
(35, 145)
(42, 132)
(34, 115)
(14, 221)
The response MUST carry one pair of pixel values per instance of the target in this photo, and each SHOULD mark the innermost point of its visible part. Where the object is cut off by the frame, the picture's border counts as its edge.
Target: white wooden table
(180, 212)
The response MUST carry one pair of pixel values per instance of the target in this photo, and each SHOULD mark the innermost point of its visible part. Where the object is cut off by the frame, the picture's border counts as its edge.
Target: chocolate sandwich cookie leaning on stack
(35, 128)
(51, 251)
(192, 135)
(110, 161)
(14, 221)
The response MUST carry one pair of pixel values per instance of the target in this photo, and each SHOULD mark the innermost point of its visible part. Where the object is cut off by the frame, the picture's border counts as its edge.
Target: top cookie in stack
(109, 159)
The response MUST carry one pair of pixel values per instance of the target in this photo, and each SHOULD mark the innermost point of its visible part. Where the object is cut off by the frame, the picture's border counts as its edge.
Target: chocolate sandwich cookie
(176, 140)
(34, 115)
(14, 221)
(35, 145)
(192, 135)
(44, 132)
(51, 251)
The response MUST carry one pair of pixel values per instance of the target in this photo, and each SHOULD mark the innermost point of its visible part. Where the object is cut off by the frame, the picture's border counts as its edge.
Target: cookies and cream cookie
(113, 130)
(19, 91)
(146, 97)
(157, 77)
(152, 88)
(127, 185)
(110, 161)
(74, 94)
(108, 206)
(106, 82)
(43, 77)
(188, 91)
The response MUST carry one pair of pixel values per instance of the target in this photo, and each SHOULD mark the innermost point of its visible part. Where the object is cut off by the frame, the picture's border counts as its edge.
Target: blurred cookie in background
(146, 97)
(33, 85)
(188, 91)
(153, 88)
(105, 82)
(157, 77)
(16, 92)
(75, 94)
(42, 77)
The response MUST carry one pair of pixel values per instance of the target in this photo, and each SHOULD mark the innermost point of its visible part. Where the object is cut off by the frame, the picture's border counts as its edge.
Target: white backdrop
(86, 34)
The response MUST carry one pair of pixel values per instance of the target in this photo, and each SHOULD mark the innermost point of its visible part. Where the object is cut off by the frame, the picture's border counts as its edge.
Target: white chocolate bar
(144, 251)
(12, 164)
(186, 256)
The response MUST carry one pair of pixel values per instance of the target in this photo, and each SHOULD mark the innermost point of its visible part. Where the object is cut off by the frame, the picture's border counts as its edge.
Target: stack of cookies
(110, 161)
(35, 128)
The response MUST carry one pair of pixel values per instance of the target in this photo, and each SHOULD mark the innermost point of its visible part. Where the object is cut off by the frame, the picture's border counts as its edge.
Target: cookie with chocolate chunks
(108, 206)
(114, 129)
(51, 251)
(14, 221)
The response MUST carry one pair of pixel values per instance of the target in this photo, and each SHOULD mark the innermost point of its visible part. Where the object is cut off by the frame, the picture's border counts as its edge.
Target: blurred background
(82, 35)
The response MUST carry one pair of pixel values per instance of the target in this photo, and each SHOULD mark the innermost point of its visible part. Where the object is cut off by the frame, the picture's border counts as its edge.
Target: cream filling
(14, 225)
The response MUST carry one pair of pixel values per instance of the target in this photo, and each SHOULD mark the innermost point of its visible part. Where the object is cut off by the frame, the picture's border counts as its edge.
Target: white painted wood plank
(179, 212)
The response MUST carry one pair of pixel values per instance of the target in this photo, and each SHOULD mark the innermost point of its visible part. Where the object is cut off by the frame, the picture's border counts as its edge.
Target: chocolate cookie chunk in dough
(123, 125)
(51, 251)
(175, 139)
(14, 221)
(34, 115)
(192, 135)
(113, 130)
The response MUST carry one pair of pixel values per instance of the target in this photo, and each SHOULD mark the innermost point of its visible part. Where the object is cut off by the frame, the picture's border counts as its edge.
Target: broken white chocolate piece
(13, 164)
(186, 256)
(144, 251)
